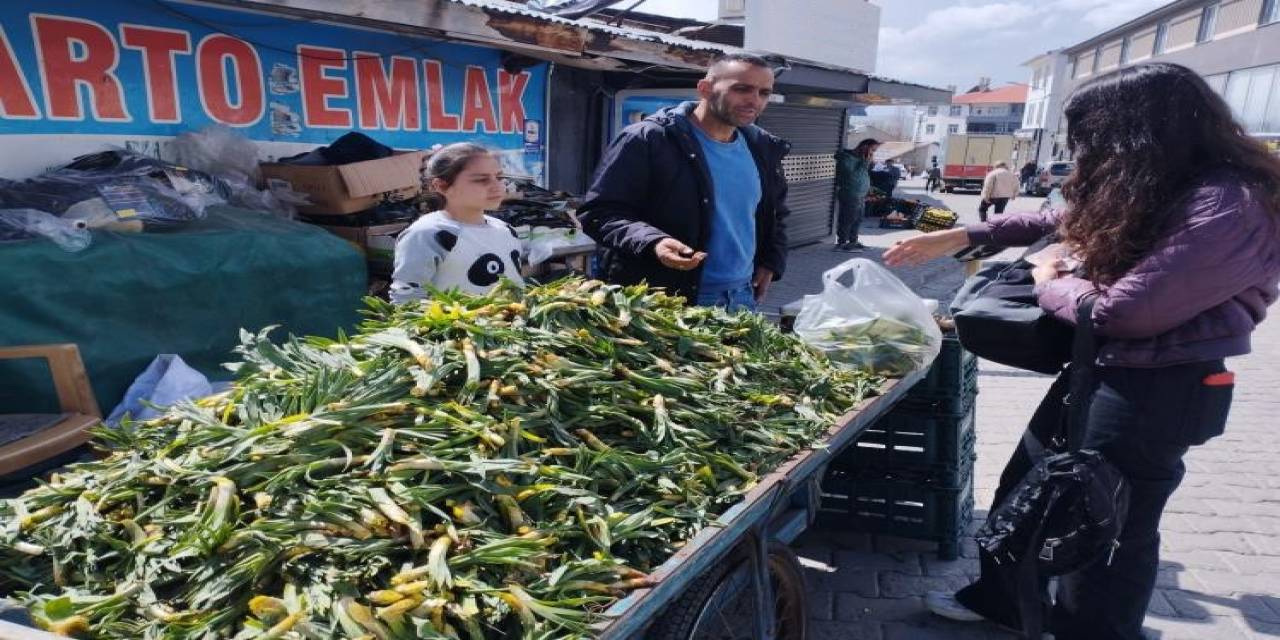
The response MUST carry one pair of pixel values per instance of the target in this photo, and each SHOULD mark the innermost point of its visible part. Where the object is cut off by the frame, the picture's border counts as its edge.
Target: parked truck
(969, 157)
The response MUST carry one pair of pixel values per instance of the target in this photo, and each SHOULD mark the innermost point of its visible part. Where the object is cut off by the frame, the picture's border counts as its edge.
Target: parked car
(1052, 177)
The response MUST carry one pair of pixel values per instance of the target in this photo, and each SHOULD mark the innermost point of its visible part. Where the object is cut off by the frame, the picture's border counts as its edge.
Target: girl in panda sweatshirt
(458, 247)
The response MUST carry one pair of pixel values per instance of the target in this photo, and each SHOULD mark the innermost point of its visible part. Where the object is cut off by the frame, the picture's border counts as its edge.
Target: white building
(844, 33)
(1234, 44)
(1045, 100)
(936, 121)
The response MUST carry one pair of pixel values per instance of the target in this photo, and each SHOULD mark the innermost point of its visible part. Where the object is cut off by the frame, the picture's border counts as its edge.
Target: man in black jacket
(693, 198)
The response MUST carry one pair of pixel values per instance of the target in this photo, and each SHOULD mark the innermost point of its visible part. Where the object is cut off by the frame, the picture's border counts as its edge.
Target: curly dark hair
(1141, 137)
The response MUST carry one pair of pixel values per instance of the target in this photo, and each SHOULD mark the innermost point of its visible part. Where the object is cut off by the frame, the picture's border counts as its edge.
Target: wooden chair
(59, 433)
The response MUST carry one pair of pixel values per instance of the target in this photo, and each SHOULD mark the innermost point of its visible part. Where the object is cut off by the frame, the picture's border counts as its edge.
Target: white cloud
(958, 43)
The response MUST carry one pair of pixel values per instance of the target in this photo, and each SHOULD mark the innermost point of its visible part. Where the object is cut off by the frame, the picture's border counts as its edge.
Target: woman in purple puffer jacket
(1174, 214)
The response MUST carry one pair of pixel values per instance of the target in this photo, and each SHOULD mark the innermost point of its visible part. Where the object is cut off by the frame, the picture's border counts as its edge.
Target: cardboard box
(377, 243)
(348, 188)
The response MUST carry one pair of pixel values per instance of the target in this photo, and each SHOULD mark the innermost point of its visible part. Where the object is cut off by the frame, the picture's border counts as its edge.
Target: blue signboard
(158, 68)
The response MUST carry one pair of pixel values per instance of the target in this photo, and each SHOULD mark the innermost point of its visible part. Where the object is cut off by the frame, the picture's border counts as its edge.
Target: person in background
(458, 246)
(934, 181)
(1174, 212)
(1028, 176)
(895, 170)
(853, 182)
(998, 188)
(693, 198)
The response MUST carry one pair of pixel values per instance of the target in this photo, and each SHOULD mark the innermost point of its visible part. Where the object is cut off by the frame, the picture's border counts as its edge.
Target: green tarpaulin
(131, 296)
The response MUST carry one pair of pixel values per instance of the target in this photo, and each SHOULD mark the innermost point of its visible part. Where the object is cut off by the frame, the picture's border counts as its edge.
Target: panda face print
(486, 270)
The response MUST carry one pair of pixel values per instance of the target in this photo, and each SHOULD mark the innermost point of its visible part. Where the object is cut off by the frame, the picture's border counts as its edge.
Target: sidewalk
(1220, 569)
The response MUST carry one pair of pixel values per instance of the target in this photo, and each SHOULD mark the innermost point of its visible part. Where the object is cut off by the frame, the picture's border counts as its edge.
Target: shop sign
(158, 68)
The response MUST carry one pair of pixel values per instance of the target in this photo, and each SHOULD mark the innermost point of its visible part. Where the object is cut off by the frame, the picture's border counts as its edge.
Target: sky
(954, 42)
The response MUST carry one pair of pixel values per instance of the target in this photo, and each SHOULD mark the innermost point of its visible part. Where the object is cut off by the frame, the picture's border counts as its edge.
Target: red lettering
(15, 94)
(511, 87)
(318, 87)
(477, 102)
(159, 47)
(437, 118)
(387, 102)
(75, 53)
(212, 56)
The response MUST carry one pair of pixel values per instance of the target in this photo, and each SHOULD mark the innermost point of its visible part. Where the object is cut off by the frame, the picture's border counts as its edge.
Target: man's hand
(674, 254)
(761, 281)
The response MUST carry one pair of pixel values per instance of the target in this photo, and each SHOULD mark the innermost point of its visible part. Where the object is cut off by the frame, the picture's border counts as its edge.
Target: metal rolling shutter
(815, 134)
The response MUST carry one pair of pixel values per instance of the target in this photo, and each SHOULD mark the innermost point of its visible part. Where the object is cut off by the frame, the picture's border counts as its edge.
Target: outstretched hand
(926, 247)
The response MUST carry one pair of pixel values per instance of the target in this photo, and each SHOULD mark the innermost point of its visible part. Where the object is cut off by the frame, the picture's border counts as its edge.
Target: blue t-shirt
(731, 250)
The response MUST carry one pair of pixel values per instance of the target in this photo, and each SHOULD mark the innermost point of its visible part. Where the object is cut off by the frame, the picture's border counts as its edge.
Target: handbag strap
(1084, 353)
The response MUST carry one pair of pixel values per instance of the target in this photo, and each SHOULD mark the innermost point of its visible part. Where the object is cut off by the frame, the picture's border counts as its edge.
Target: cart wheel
(719, 604)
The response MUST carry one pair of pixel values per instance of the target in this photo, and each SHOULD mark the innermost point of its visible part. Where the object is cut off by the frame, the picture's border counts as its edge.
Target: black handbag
(1069, 510)
(998, 318)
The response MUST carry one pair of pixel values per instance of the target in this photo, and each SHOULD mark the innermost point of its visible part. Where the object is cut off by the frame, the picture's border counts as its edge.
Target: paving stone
(907, 562)
(1233, 542)
(821, 605)
(959, 567)
(852, 607)
(944, 631)
(897, 585)
(1219, 628)
(843, 630)
(1160, 605)
(833, 579)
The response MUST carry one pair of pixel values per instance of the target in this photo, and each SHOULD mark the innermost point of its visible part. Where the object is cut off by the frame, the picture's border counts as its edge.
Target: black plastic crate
(931, 446)
(902, 508)
(951, 383)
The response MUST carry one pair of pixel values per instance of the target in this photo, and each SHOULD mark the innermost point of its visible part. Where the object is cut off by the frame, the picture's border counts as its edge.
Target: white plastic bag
(876, 322)
(543, 242)
(20, 224)
(166, 381)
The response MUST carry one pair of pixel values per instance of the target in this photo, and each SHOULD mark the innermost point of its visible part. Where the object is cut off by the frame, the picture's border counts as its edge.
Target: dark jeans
(932, 183)
(1143, 421)
(1000, 204)
(850, 219)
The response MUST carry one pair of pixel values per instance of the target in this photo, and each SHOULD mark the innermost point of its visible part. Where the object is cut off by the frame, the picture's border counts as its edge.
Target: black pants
(931, 184)
(849, 219)
(1143, 421)
(1000, 204)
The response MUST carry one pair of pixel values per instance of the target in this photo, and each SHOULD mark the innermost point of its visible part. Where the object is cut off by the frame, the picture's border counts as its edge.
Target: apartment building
(983, 110)
(1234, 44)
(1045, 98)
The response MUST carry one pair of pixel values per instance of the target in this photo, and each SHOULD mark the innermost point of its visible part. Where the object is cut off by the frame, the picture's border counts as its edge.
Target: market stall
(491, 452)
(576, 459)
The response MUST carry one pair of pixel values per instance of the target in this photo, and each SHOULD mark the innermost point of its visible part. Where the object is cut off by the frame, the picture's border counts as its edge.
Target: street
(1220, 563)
